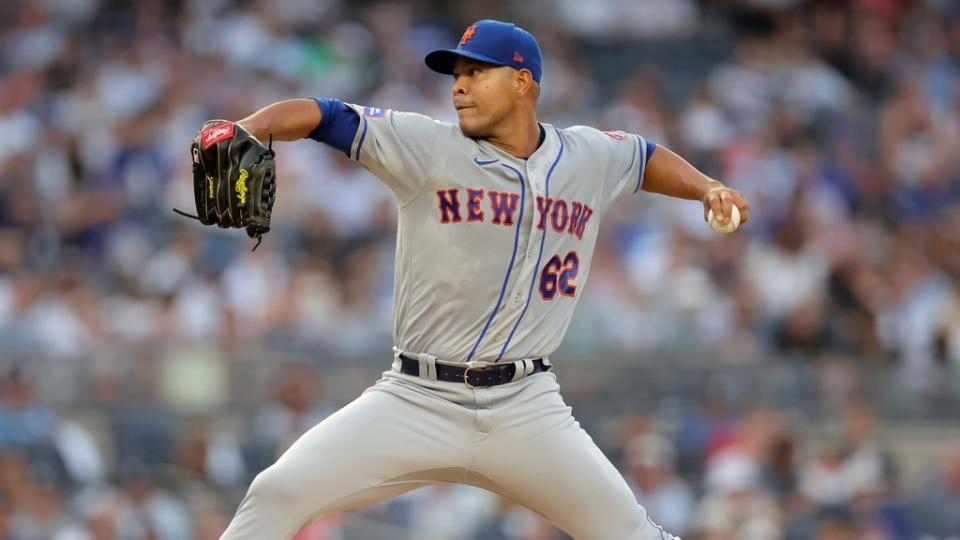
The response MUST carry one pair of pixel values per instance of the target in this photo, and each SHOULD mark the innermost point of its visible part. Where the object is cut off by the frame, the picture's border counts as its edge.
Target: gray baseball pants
(519, 440)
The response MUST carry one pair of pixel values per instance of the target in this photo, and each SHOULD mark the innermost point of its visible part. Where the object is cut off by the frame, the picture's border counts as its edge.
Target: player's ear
(523, 82)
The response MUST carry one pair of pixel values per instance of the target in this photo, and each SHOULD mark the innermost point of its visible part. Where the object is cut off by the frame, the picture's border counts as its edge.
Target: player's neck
(521, 139)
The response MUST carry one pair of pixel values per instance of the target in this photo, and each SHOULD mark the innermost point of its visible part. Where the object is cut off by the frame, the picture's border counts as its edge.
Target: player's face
(483, 95)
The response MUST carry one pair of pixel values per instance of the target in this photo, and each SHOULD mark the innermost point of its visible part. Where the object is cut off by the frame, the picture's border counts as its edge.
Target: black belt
(490, 375)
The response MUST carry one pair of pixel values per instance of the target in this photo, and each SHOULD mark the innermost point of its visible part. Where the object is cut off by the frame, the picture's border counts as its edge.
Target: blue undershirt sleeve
(651, 148)
(338, 124)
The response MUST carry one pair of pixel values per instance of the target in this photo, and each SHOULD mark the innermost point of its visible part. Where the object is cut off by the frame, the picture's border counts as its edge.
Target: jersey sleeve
(338, 124)
(628, 155)
(397, 147)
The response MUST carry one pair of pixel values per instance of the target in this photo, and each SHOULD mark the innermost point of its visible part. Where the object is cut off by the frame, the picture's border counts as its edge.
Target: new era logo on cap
(517, 57)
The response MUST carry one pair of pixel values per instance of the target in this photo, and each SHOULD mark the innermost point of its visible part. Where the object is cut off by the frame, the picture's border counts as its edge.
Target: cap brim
(442, 60)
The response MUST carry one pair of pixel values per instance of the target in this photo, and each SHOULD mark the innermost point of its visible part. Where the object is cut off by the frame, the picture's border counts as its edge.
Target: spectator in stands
(650, 467)
(296, 407)
(25, 422)
(934, 503)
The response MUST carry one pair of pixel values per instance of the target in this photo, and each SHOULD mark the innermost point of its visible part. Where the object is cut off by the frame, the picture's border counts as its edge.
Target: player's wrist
(710, 186)
(259, 132)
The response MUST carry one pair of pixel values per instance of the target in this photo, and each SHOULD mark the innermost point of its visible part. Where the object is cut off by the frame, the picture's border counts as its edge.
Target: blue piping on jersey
(362, 136)
(513, 257)
(536, 269)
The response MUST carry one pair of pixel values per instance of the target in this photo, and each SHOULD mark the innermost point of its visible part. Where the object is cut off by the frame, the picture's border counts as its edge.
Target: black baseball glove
(234, 178)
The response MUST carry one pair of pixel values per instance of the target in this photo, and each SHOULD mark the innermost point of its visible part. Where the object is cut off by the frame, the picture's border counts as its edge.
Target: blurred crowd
(126, 466)
(837, 119)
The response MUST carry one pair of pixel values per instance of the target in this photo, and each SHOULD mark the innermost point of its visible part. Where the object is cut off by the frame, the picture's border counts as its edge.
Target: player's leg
(538, 455)
(393, 438)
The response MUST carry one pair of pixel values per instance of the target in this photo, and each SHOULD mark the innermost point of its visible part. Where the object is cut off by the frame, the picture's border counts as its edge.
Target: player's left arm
(288, 120)
(669, 174)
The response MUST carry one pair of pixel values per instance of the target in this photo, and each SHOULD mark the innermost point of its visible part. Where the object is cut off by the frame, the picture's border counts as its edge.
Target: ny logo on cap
(468, 34)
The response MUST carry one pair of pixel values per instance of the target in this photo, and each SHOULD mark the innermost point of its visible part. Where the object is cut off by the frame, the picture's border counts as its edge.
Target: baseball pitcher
(498, 218)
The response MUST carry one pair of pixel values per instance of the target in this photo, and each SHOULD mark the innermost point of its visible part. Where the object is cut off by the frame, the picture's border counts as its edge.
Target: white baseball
(728, 227)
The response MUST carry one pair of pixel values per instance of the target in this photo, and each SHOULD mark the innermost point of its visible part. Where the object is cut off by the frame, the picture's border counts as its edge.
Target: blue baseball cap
(494, 42)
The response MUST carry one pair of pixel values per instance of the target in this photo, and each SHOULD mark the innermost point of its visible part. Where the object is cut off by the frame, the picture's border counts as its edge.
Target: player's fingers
(712, 202)
(741, 202)
(726, 203)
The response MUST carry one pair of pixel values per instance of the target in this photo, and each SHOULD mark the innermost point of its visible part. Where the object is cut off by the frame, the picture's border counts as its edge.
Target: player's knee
(625, 524)
(273, 487)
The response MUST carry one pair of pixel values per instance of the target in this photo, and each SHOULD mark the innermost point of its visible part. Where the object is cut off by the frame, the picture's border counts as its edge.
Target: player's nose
(459, 86)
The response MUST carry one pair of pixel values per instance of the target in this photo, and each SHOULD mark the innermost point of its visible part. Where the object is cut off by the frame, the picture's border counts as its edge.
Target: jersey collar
(547, 145)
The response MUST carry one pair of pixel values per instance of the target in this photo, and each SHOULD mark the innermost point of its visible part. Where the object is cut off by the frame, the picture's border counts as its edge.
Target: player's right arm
(288, 120)
(671, 175)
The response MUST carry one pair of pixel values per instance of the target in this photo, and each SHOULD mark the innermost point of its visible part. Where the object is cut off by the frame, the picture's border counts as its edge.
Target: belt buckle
(466, 372)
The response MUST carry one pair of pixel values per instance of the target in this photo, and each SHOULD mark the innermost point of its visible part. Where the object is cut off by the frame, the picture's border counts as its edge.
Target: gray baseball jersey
(493, 251)
(492, 255)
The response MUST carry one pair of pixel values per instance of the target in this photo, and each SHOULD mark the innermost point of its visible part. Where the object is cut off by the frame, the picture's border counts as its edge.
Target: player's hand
(721, 199)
